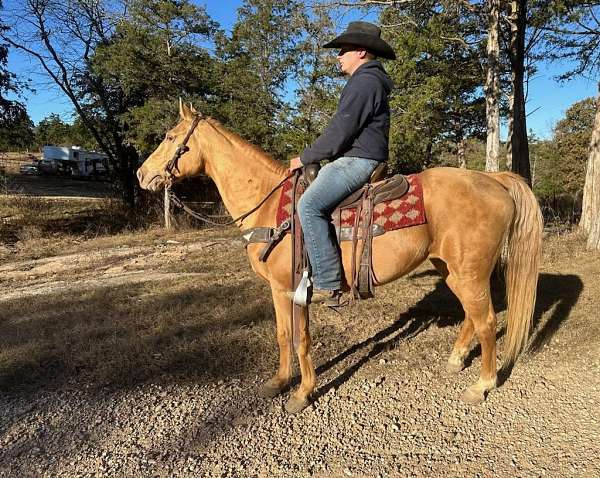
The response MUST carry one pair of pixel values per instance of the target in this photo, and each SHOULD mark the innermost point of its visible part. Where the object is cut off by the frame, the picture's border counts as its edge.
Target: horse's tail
(522, 258)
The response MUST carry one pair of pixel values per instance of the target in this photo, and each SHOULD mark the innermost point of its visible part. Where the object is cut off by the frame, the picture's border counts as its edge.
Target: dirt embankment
(145, 360)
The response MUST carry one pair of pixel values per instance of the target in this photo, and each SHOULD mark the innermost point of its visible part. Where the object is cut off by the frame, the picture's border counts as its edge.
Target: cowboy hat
(366, 35)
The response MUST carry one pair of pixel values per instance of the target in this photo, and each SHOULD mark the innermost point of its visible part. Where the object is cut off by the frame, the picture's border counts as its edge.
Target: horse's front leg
(300, 398)
(283, 312)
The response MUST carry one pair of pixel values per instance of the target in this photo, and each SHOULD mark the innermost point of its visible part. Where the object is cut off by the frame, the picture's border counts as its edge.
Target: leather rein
(183, 148)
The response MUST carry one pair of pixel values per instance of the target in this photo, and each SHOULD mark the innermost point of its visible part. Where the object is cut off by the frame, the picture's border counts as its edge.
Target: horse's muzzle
(150, 181)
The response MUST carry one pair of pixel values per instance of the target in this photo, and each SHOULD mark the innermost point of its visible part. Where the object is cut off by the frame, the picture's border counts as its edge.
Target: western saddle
(361, 234)
(375, 191)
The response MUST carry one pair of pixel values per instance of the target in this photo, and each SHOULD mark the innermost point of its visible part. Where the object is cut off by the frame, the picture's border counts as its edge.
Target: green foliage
(255, 63)
(17, 133)
(318, 85)
(149, 122)
(16, 129)
(446, 154)
(52, 130)
(154, 57)
(438, 96)
(560, 164)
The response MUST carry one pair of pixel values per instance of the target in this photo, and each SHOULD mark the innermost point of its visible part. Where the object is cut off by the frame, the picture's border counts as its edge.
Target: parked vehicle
(29, 169)
(75, 162)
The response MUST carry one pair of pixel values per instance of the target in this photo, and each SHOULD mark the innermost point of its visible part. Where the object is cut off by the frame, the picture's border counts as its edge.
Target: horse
(474, 219)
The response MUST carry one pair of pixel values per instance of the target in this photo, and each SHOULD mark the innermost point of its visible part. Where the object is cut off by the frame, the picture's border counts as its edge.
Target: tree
(52, 130)
(17, 134)
(318, 80)
(518, 150)
(256, 63)
(572, 137)
(590, 216)
(157, 42)
(154, 57)
(574, 33)
(61, 37)
(559, 164)
(15, 125)
(492, 87)
(78, 45)
(438, 99)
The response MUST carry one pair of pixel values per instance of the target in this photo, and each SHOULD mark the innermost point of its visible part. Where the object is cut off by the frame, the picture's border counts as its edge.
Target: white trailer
(74, 161)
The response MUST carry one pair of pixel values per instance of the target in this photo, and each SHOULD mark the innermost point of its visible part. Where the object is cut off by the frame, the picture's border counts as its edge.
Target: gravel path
(385, 408)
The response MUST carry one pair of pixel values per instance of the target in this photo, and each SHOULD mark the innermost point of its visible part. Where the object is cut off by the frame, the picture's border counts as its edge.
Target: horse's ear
(181, 110)
(192, 109)
(184, 111)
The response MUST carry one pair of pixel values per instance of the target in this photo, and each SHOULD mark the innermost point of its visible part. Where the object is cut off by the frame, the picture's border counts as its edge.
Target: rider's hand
(295, 163)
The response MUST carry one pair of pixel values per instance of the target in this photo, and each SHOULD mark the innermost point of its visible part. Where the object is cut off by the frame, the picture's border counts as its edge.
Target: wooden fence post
(167, 206)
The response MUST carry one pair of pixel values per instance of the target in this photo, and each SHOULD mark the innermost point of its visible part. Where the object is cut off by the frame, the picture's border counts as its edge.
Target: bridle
(183, 148)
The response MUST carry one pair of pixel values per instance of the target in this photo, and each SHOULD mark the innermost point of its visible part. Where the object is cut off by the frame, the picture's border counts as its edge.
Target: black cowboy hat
(366, 35)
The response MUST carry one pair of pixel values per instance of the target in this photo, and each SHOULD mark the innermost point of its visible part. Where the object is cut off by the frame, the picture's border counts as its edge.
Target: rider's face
(350, 58)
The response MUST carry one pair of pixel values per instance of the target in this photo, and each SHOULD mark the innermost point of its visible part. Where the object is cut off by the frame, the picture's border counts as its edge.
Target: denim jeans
(335, 181)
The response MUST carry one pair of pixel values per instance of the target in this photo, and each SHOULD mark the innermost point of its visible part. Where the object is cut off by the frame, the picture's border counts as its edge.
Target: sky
(547, 98)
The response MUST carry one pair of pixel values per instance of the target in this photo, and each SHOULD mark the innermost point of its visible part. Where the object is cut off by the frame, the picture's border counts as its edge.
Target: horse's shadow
(440, 307)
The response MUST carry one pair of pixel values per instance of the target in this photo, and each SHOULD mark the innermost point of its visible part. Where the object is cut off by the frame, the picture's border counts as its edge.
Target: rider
(355, 142)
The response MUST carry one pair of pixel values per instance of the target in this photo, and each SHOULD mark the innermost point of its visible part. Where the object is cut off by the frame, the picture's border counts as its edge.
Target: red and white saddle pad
(405, 211)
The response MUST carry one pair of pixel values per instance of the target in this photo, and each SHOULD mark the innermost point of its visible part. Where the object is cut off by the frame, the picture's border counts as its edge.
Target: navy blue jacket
(361, 124)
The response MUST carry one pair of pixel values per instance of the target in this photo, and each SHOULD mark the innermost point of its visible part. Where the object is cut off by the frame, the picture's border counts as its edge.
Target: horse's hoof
(473, 396)
(296, 405)
(270, 389)
(455, 367)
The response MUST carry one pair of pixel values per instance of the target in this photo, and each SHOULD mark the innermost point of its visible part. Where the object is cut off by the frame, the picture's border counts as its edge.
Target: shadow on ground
(129, 335)
(120, 336)
(556, 293)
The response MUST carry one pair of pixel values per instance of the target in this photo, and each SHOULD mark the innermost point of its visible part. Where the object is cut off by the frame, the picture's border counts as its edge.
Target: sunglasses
(345, 50)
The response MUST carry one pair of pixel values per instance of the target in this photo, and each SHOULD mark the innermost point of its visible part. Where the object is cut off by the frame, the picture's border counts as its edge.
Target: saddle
(377, 207)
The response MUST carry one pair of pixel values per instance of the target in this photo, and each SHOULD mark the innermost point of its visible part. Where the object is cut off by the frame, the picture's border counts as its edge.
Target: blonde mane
(251, 151)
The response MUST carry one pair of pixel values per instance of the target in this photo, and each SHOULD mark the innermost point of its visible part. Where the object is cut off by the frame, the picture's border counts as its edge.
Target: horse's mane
(250, 150)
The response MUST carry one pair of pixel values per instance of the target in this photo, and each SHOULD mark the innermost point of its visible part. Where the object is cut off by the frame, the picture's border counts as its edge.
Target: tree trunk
(492, 88)
(509, 133)
(127, 164)
(519, 145)
(462, 161)
(590, 213)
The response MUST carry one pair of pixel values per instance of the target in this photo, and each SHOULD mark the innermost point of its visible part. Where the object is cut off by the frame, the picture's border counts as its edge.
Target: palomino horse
(472, 218)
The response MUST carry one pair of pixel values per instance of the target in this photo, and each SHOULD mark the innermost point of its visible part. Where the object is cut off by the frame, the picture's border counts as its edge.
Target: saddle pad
(406, 211)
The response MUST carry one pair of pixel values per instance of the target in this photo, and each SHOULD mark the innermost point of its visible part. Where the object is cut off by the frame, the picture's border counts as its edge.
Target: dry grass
(42, 226)
(35, 223)
(12, 161)
(121, 335)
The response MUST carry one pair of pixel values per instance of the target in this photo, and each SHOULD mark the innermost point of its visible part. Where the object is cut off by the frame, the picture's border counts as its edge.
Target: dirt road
(145, 359)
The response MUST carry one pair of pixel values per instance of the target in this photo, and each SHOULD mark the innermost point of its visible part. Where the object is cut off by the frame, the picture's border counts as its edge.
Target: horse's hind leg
(283, 311)
(475, 297)
(456, 361)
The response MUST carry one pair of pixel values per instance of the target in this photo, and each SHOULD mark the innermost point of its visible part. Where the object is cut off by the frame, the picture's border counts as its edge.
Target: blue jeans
(335, 181)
